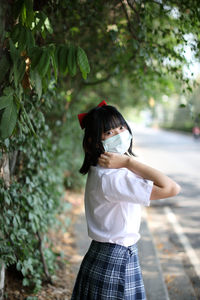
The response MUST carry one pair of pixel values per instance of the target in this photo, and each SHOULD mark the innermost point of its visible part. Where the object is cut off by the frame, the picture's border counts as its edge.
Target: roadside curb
(151, 269)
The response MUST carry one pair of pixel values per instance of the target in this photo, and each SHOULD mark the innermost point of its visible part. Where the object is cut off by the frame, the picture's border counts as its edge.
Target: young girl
(117, 186)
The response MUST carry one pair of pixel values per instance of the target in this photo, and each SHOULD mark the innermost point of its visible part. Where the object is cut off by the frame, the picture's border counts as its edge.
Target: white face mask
(118, 143)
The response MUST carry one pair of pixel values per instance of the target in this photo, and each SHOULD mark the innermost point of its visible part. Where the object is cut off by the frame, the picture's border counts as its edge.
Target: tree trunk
(5, 174)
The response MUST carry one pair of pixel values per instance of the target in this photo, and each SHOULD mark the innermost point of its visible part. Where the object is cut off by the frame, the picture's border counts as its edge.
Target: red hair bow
(82, 116)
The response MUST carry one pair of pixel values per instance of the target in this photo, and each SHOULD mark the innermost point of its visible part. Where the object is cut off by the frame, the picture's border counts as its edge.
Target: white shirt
(113, 199)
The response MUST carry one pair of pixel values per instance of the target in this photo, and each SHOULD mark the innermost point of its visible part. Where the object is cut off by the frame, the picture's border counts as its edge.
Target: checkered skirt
(109, 271)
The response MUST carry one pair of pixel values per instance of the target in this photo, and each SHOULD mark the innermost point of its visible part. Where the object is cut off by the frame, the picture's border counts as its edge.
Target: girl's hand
(113, 160)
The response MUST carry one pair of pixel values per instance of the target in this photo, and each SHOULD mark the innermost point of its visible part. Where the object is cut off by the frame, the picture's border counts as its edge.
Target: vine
(30, 198)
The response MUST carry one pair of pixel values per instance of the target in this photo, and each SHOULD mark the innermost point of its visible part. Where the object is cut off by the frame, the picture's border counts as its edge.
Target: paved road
(175, 222)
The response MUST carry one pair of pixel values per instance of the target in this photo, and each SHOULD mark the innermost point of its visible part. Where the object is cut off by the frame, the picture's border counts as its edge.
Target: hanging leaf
(37, 82)
(14, 52)
(84, 74)
(19, 70)
(38, 85)
(29, 12)
(48, 25)
(22, 39)
(30, 42)
(15, 33)
(83, 63)
(41, 17)
(53, 61)
(71, 60)
(35, 55)
(62, 55)
(23, 14)
(8, 120)
(44, 62)
(44, 84)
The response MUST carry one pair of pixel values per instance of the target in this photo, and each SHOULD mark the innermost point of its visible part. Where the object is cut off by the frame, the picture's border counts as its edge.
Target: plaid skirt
(109, 271)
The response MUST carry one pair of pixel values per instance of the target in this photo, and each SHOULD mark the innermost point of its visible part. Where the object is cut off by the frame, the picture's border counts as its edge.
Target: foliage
(31, 63)
(139, 39)
(29, 205)
(46, 80)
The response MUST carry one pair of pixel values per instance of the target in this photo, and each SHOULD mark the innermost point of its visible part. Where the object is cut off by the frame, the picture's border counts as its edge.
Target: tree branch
(134, 9)
(128, 21)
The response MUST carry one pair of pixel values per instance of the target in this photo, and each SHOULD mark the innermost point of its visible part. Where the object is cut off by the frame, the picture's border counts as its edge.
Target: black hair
(97, 121)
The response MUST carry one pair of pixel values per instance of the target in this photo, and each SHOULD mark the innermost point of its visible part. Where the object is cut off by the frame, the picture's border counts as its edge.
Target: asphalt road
(175, 222)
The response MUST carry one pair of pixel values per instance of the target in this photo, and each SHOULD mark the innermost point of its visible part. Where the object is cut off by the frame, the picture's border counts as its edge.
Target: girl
(117, 186)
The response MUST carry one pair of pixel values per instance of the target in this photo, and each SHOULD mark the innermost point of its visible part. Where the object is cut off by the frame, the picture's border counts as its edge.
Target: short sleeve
(124, 185)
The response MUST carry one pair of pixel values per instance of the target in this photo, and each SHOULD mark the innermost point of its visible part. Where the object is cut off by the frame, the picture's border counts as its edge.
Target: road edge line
(183, 239)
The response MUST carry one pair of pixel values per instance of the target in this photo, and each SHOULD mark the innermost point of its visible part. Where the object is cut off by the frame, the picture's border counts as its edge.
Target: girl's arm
(163, 187)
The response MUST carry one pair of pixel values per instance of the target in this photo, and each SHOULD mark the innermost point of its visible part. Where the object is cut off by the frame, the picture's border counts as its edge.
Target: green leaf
(48, 26)
(5, 101)
(8, 91)
(84, 74)
(30, 42)
(24, 271)
(18, 63)
(22, 232)
(33, 227)
(15, 32)
(44, 62)
(40, 17)
(14, 53)
(29, 12)
(83, 63)
(38, 85)
(18, 266)
(8, 120)
(71, 60)
(15, 223)
(36, 79)
(19, 70)
(23, 14)
(28, 120)
(54, 61)
(7, 142)
(22, 38)
(35, 55)
(7, 199)
(61, 55)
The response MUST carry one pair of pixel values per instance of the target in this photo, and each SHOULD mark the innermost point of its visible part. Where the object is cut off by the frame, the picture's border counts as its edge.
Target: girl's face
(106, 135)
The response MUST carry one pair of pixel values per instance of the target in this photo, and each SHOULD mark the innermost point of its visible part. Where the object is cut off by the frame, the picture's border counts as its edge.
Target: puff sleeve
(123, 185)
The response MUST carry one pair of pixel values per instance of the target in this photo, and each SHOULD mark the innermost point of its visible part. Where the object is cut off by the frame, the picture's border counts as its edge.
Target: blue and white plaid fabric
(109, 271)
